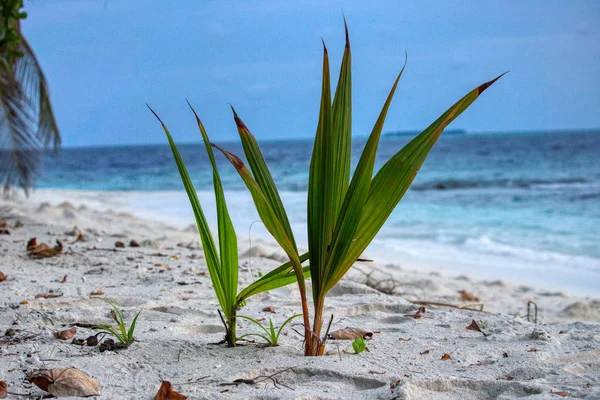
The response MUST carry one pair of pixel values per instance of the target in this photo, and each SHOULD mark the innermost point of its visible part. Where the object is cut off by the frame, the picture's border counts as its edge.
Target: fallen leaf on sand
(270, 309)
(24, 302)
(424, 352)
(531, 350)
(98, 292)
(446, 357)
(475, 327)
(66, 334)
(395, 384)
(120, 244)
(63, 382)
(561, 394)
(31, 243)
(42, 250)
(165, 392)
(350, 334)
(467, 296)
(64, 279)
(80, 237)
(48, 295)
(3, 389)
(133, 243)
(2, 277)
(418, 314)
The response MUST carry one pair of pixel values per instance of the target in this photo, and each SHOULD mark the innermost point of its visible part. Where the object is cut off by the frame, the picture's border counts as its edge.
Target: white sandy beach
(167, 278)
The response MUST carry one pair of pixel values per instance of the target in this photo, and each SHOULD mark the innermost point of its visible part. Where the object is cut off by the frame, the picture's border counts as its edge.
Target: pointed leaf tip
(486, 85)
(240, 124)
(235, 160)
(194, 111)
(155, 114)
(346, 30)
(324, 46)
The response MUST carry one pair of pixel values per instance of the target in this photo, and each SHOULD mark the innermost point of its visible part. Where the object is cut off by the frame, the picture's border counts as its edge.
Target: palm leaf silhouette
(27, 123)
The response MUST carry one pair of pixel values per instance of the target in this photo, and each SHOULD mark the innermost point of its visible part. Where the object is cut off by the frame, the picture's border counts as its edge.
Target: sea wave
(450, 184)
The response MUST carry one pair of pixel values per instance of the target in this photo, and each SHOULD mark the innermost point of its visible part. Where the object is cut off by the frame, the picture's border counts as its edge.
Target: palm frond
(27, 123)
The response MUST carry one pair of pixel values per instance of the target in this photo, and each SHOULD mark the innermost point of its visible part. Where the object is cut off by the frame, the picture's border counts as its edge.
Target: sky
(105, 59)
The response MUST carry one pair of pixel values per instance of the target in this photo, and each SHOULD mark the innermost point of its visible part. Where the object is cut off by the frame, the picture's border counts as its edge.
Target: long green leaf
(321, 219)
(262, 175)
(396, 175)
(281, 276)
(227, 238)
(357, 194)
(208, 244)
(341, 136)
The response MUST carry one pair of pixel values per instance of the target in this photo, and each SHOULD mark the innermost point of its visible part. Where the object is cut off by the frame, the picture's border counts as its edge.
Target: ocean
(521, 207)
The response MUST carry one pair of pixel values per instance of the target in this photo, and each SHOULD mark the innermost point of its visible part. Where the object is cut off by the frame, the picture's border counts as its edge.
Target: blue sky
(105, 61)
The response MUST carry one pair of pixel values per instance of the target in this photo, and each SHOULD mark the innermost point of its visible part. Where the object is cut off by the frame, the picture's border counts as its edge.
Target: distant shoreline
(386, 135)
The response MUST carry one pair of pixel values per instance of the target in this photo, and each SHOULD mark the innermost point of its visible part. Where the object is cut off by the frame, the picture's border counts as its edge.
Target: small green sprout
(271, 336)
(359, 345)
(123, 335)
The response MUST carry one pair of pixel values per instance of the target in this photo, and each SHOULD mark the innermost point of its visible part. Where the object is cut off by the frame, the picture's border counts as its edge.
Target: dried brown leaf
(48, 295)
(66, 334)
(119, 244)
(3, 389)
(98, 292)
(270, 309)
(350, 334)
(446, 357)
(561, 394)
(474, 327)
(467, 296)
(133, 243)
(418, 314)
(424, 352)
(64, 279)
(3, 277)
(165, 392)
(531, 350)
(63, 382)
(43, 250)
(395, 384)
(31, 244)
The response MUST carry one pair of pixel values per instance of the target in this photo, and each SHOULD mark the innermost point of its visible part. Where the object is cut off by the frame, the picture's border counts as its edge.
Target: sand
(166, 277)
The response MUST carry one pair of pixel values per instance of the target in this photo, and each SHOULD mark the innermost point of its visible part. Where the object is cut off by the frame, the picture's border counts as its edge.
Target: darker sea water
(531, 197)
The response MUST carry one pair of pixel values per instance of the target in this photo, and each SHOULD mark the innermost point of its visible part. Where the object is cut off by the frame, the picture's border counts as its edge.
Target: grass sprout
(271, 336)
(123, 335)
(359, 345)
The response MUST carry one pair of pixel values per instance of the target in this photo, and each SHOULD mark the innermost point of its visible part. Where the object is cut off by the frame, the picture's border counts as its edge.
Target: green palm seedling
(344, 214)
(222, 261)
(123, 335)
(270, 335)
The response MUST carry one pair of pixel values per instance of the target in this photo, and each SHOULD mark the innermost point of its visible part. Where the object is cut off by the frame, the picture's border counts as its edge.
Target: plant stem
(316, 347)
(305, 314)
(231, 337)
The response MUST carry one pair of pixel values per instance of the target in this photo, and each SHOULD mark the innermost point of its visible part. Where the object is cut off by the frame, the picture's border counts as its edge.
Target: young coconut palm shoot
(344, 214)
(222, 262)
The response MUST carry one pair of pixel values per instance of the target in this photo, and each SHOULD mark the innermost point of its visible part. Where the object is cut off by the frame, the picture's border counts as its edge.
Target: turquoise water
(533, 197)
